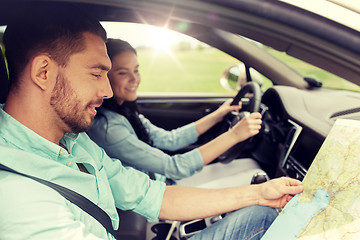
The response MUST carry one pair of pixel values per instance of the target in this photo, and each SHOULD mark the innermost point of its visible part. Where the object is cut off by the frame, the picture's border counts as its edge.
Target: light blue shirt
(115, 134)
(31, 210)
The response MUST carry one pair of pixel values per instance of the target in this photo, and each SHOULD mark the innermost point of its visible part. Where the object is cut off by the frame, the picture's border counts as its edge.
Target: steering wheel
(251, 92)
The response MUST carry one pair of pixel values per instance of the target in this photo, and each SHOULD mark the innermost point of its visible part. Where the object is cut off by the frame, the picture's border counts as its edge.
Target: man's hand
(277, 192)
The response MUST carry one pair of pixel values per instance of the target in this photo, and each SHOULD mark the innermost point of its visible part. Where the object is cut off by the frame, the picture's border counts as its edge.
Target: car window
(185, 69)
(2, 30)
(173, 62)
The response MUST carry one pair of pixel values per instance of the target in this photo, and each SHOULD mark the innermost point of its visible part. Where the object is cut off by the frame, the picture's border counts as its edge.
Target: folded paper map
(329, 207)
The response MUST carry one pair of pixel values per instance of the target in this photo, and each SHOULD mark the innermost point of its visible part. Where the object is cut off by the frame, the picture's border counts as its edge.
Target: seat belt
(82, 202)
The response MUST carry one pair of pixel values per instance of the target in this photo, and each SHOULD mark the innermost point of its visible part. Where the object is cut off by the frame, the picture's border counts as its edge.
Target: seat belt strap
(82, 202)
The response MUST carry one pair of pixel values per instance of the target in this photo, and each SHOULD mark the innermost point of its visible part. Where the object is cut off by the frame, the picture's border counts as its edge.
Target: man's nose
(106, 91)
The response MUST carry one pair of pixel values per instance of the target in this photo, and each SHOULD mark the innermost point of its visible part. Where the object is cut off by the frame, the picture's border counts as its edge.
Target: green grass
(200, 71)
(184, 71)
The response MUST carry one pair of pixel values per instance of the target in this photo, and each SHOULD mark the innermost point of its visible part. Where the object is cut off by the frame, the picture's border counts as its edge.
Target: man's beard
(68, 106)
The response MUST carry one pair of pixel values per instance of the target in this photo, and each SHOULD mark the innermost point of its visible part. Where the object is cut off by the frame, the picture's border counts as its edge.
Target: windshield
(327, 79)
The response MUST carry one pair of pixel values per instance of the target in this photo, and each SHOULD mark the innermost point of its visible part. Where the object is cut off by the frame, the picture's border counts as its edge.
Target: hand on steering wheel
(253, 92)
(247, 127)
(226, 108)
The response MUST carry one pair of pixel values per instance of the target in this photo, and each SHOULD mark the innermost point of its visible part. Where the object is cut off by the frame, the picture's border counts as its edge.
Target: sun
(158, 38)
(161, 40)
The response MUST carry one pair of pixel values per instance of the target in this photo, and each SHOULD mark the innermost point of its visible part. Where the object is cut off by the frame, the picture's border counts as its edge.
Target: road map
(329, 207)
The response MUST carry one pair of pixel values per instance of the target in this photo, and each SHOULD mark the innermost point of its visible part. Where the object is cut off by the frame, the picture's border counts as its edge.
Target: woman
(129, 136)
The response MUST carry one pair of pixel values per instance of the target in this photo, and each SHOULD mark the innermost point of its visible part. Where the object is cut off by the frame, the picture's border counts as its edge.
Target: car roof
(313, 38)
(345, 12)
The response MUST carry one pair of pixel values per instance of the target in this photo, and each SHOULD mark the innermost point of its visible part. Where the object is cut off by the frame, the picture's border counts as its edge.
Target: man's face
(81, 86)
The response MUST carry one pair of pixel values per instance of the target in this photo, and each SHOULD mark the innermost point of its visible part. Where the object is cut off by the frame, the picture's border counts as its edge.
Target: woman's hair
(127, 109)
(118, 46)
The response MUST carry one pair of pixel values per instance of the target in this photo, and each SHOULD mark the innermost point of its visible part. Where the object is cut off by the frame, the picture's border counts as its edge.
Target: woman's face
(124, 77)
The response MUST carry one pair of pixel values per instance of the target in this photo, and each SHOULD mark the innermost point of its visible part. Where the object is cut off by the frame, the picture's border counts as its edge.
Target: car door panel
(170, 112)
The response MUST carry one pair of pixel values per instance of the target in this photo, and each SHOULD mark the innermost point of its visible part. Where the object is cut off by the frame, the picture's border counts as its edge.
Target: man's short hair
(54, 30)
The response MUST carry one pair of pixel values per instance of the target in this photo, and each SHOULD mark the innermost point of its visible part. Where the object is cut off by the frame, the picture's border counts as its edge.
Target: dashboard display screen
(305, 149)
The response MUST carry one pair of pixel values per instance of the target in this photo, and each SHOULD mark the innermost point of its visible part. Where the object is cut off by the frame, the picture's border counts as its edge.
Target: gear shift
(259, 177)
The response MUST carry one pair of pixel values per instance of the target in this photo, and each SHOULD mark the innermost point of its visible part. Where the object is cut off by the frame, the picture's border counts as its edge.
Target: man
(58, 70)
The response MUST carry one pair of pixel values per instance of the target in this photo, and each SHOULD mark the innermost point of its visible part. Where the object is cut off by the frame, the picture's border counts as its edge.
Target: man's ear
(41, 70)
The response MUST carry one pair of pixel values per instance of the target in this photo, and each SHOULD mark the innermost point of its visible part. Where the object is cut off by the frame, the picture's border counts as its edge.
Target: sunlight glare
(162, 40)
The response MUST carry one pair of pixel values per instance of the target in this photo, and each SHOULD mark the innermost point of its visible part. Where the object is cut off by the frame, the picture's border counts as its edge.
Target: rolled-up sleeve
(171, 140)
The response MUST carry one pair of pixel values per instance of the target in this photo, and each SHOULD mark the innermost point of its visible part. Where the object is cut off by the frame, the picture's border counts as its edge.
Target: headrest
(4, 79)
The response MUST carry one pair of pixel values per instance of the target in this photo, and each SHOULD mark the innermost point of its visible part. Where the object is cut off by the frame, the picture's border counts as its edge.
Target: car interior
(135, 226)
(297, 111)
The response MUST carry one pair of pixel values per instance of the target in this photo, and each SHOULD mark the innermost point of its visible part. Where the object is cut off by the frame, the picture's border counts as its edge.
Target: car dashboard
(295, 124)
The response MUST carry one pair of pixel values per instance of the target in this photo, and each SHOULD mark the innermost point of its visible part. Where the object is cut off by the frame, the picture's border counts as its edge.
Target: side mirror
(234, 77)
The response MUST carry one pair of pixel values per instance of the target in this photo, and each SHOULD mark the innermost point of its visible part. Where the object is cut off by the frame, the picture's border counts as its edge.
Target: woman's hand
(205, 123)
(247, 127)
(225, 108)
